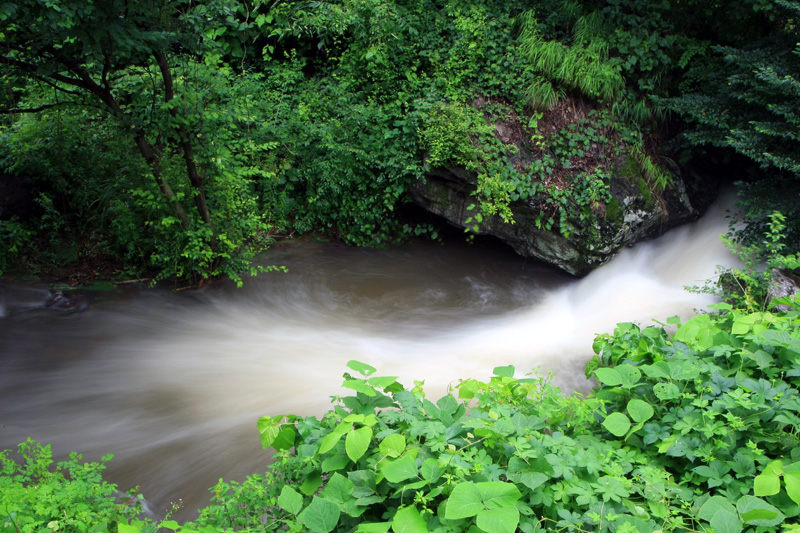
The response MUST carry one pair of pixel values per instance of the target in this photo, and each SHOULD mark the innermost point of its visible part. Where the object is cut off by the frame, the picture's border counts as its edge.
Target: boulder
(590, 236)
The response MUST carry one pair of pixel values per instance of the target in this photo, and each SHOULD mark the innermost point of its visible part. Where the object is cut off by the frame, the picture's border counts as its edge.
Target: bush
(72, 498)
(685, 431)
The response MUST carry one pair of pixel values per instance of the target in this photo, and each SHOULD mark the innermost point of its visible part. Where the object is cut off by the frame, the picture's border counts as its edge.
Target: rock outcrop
(634, 212)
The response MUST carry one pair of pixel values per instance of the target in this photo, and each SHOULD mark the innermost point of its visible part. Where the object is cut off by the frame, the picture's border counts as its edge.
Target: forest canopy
(181, 137)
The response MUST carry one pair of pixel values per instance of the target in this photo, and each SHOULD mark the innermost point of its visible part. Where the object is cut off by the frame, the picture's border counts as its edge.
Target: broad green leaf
(503, 520)
(393, 445)
(468, 499)
(335, 462)
(608, 376)
(285, 439)
(504, 371)
(464, 502)
(400, 469)
(496, 494)
(768, 482)
(667, 443)
(359, 385)
(374, 527)
(659, 370)
(357, 442)
(382, 381)
(430, 470)
(338, 489)
(121, 528)
(666, 391)
(468, 388)
(617, 424)
(290, 500)
(408, 520)
(639, 410)
(362, 368)
(722, 516)
(792, 480)
(269, 429)
(321, 516)
(328, 442)
(170, 524)
(756, 512)
(311, 484)
(630, 375)
(766, 485)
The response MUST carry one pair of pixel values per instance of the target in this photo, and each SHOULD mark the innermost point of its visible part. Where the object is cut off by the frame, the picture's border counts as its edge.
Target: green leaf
(400, 469)
(393, 445)
(431, 469)
(290, 500)
(464, 502)
(338, 489)
(468, 499)
(722, 516)
(357, 442)
(666, 391)
(792, 480)
(329, 441)
(382, 381)
(504, 371)
(362, 368)
(359, 385)
(608, 376)
(503, 520)
(617, 424)
(311, 483)
(335, 462)
(768, 482)
(408, 520)
(269, 429)
(756, 512)
(321, 516)
(630, 375)
(640, 410)
(285, 439)
(374, 527)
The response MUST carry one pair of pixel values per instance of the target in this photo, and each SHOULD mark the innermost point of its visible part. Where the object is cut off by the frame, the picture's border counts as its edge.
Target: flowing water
(173, 383)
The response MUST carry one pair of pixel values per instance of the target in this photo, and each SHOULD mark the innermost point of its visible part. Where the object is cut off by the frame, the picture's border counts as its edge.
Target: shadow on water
(173, 384)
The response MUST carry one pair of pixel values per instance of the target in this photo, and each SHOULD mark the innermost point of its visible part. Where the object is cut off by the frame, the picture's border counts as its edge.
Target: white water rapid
(173, 384)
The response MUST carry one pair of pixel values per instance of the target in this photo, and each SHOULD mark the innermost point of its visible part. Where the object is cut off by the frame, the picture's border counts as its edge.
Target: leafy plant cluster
(747, 287)
(71, 498)
(691, 430)
(686, 431)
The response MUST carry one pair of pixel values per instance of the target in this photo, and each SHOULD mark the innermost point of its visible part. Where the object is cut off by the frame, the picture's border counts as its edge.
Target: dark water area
(173, 383)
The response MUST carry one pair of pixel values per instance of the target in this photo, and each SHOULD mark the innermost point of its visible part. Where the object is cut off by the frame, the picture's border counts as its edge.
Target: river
(173, 383)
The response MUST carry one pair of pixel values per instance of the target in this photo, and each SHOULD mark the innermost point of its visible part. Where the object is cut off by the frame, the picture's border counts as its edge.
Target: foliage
(178, 111)
(71, 498)
(689, 430)
(747, 288)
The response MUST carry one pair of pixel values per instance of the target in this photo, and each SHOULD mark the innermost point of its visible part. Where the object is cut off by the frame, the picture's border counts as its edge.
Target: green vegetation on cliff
(181, 137)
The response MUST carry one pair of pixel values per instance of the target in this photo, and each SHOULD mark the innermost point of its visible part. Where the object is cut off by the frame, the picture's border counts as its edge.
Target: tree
(122, 57)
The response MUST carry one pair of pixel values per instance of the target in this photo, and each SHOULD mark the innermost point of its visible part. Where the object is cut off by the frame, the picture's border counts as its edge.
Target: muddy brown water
(173, 383)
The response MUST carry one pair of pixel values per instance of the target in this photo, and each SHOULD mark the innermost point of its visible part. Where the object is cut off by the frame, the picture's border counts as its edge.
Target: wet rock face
(635, 210)
(447, 192)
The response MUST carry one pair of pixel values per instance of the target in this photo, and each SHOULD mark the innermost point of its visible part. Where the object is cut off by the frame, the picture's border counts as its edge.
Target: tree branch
(28, 110)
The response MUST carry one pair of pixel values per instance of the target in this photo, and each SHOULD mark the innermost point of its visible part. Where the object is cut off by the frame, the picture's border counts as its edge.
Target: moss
(644, 190)
(614, 211)
(630, 169)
